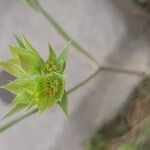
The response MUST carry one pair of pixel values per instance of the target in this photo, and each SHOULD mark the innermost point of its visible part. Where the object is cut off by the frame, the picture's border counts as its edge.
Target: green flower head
(38, 84)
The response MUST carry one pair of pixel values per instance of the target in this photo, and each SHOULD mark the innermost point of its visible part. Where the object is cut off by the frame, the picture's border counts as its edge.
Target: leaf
(24, 43)
(52, 54)
(19, 85)
(13, 68)
(19, 50)
(20, 43)
(29, 46)
(25, 48)
(22, 98)
(16, 51)
(63, 58)
(64, 103)
(29, 64)
(15, 110)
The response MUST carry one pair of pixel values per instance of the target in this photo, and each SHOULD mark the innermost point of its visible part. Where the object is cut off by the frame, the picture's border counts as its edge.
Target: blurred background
(115, 32)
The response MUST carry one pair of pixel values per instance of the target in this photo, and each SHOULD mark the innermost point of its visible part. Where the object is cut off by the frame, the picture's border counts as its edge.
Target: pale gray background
(112, 31)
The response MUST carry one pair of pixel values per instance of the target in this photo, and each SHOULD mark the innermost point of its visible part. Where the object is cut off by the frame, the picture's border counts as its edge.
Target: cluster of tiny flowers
(39, 83)
(49, 67)
(51, 88)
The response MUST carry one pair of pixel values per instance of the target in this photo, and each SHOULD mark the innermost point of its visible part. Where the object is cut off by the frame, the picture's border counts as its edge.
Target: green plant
(38, 83)
(41, 71)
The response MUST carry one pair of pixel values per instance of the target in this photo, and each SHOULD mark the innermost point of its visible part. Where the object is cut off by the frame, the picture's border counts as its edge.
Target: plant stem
(84, 82)
(16, 120)
(108, 69)
(65, 35)
(123, 71)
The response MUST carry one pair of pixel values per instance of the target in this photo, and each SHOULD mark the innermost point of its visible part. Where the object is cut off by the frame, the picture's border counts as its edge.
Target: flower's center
(51, 87)
(49, 67)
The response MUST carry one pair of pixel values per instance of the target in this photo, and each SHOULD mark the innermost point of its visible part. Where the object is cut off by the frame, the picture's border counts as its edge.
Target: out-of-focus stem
(65, 35)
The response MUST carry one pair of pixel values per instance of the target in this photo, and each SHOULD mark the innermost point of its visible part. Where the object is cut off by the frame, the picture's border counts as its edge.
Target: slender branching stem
(16, 120)
(123, 71)
(84, 82)
(65, 35)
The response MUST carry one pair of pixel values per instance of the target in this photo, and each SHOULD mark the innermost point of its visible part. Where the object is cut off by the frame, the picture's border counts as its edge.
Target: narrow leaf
(63, 58)
(19, 50)
(11, 67)
(19, 85)
(22, 98)
(64, 103)
(29, 46)
(20, 43)
(52, 54)
(29, 64)
(26, 53)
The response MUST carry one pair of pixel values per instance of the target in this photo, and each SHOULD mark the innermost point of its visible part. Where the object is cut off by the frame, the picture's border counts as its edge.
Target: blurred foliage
(144, 4)
(97, 143)
(130, 130)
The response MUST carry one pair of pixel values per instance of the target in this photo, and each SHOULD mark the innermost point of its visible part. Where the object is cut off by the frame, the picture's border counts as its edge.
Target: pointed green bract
(22, 98)
(63, 58)
(52, 54)
(27, 56)
(39, 84)
(19, 85)
(16, 51)
(64, 103)
(28, 46)
(19, 50)
(25, 48)
(20, 43)
(13, 68)
(30, 65)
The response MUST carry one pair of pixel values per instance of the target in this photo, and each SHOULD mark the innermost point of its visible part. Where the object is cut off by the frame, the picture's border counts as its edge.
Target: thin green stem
(123, 71)
(108, 69)
(65, 35)
(84, 82)
(16, 120)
